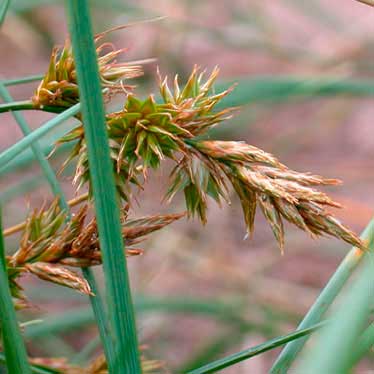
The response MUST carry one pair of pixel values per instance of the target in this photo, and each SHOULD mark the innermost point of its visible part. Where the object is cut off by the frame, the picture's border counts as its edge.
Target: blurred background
(305, 78)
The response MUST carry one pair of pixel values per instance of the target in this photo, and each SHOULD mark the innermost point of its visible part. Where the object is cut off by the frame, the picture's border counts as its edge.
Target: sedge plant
(112, 154)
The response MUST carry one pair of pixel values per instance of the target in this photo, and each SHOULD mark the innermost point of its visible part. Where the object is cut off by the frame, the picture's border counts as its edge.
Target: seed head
(259, 178)
(145, 132)
(60, 275)
(50, 241)
(59, 87)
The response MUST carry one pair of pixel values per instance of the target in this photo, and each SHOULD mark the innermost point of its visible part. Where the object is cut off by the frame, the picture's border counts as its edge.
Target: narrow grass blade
(323, 302)
(365, 343)
(230, 313)
(333, 348)
(272, 88)
(64, 322)
(28, 105)
(22, 80)
(3, 10)
(107, 212)
(100, 315)
(217, 347)
(39, 155)
(20, 146)
(16, 105)
(254, 351)
(225, 311)
(14, 348)
(25, 159)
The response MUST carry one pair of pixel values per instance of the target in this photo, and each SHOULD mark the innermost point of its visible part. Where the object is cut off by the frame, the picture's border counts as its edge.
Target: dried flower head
(59, 87)
(260, 179)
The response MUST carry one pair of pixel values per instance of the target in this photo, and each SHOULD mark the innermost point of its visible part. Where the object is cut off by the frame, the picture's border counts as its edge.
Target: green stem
(13, 151)
(14, 348)
(120, 305)
(325, 299)
(22, 80)
(332, 349)
(100, 315)
(285, 88)
(3, 10)
(229, 313)
(364, 344)
(29, 105)
(39, 155)
(254, 351)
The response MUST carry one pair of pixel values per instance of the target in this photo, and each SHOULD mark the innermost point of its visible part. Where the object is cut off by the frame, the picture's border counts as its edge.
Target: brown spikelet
(60, 275)
(306, 179)
(281, 193)
(291, 213)
(248, 199)
(136, 228)
(322, 222)
(273, 217)
(51, 241)
(237, 152)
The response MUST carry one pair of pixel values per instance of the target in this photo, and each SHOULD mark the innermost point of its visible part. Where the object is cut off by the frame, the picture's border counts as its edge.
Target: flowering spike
(60, 275)
(49, 242)
(59, 87)
(145, 132)
(281, 192)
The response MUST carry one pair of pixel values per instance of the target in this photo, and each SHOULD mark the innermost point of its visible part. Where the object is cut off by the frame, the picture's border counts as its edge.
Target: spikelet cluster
(259, 179)
(59, 86)
(51, 241)
(146, 132)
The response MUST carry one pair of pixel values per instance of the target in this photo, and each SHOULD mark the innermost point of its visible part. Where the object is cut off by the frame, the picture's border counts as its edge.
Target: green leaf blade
(102, 180)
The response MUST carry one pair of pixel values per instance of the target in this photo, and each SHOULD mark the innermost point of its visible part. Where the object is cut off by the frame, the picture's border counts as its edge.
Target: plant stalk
(233, 359)
(120, 306)
(29, 105)
(14, 347)
(22, 80)
(13, 151)
(3, 10)
(323, 302)
(39, 155)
